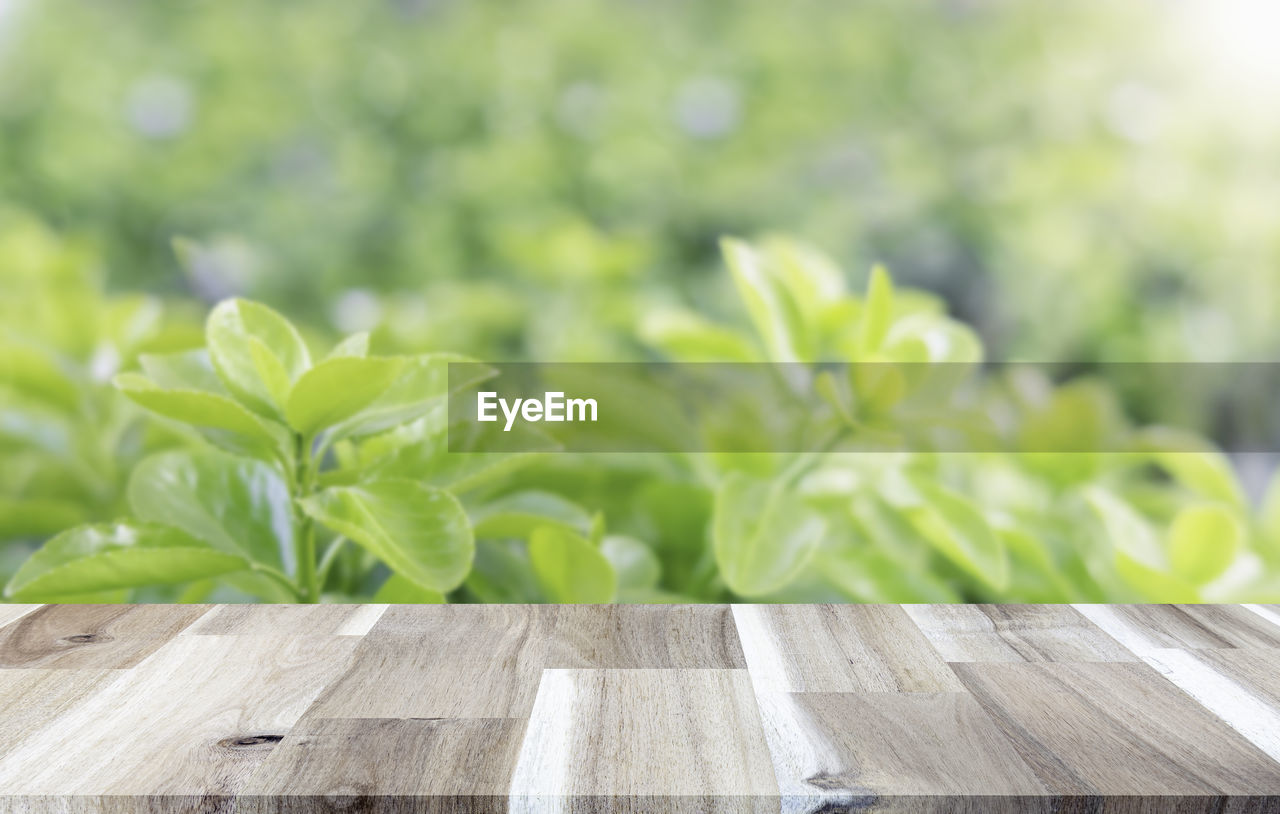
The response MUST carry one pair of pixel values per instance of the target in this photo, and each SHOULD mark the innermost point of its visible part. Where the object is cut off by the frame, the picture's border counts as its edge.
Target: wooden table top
(813, 708)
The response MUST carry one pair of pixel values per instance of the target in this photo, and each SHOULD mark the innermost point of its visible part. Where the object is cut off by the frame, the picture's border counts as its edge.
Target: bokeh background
(1085, 181)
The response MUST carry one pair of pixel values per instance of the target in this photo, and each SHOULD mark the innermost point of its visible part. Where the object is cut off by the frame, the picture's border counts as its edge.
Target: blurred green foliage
(482, 174)
(550, 181)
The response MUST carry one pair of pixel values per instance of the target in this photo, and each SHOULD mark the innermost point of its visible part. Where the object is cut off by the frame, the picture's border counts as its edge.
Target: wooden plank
(305, 620)
(1242, 687)
(92, 636)
(195, 720)
(434, 764)
(1015, 633)
(924, 751)
(12, 613)
(1116, 729)
(1143, 628)
(31, 700)
(839, 648)
(684, 740)
(486, 661)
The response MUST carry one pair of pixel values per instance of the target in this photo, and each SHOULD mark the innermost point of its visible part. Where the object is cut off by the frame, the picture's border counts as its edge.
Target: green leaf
(257, 353)
(200, 409)
(957, 529)
(518, 514)
(569, 569)
(112, 556)
(337, 389)
(398, 590)
(421, 386)
(878, 314)
(356, 345)
(1140, 560)
(237, 505)
(768, 307)
(687, 337)
(502, 573)
(37, 374)
(634, 562)
(1203, 541)
(762, 535)
(420, 532)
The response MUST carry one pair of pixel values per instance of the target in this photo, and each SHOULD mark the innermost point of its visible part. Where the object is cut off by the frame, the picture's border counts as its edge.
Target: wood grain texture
(11, 613)
(692, 736)
(816, 709)
(306, 620)
(1015, 633)
(195, 719)
(1116, 729)
(839, 648)
(92, 636)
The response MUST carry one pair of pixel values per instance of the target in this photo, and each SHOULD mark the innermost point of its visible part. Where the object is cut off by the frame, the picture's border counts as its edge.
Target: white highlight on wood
(540, 782)
(1244, 712)
(766, 662)
(360, 622)
(1266, 613)
(1118, 628)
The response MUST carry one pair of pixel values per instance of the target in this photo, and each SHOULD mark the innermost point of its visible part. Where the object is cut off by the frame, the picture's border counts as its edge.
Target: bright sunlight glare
(1237, 42)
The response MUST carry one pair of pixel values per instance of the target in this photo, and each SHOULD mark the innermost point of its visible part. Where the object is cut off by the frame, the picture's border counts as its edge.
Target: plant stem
(305, 544)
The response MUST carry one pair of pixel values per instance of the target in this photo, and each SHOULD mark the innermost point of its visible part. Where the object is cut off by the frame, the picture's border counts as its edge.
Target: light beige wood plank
(1116, 729)
(196, 718)
(839, 648)
(1015, 633)
(928, 751)
(304, 620)
(11, 613)
(1241, 687)
(447, 764)
(486, 661)
(33, 699)
(691, 739)
(1143, 628)
(92, 636)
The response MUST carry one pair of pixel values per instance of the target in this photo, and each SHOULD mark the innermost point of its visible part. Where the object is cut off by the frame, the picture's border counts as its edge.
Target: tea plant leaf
(200, 409)
(237, 505)
(517, 515)
(569, 569)
(257, 353)
(502, 573)
(762, 535)
(356, 345)
(956, 528)
(634, 562)
(37, 374)
(89, 559)
(422, 384)
(687, 337)
(877, 316)
(33, 517)
(398, 590)
(768, 307)
(337, 389)
(420, 532)
(1203, 541)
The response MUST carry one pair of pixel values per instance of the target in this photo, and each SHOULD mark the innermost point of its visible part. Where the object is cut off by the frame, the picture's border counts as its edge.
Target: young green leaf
(89, 559)
(1203, 541)
(634, 562)
(356, 345)
(237, 505)
(422, 385)
(421, 533)
(518, 514)
(957, 529)
(257, 353)
(878, 314)
(337, 389)
(398, 590)
(774, 317)
(569, 569)
(201, 409)
(762, 535)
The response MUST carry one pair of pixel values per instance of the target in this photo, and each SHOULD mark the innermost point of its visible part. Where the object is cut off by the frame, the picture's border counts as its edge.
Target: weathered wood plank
(839, 648)
(1015, 633)
(92, 636)
(301, 620)
(692, 738)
